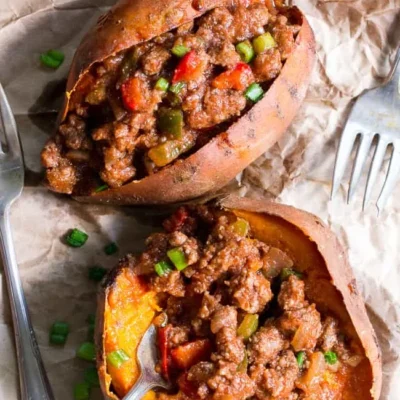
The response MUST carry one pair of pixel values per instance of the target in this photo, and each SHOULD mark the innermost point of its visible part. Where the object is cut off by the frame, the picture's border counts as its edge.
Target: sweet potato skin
(329, 282)
(316, 250)
(218, 162)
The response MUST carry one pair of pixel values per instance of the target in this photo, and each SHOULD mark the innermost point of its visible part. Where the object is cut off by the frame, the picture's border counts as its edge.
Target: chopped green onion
(263, 43)
(91, 319)
(76, 238)
(245, 50)
(82, 391)
(163, 268)
(300, 358)
(178, 258)
(286, 272)
(110, 249)
(92, 377)
(97, 273)
(60, 328)
(101, 188)
(331, 357)
(177, 87)
(170, 121)
(117, 358)
(162, 84)
(241, 227)
(179, 50)
(57, 338)
(248, 326)
(86, 351)
(254, 92)
(242, 367)
(52, 59)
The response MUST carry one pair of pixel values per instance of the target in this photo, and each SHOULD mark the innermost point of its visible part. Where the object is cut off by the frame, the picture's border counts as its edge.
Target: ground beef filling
(237, 323)
(140, 110)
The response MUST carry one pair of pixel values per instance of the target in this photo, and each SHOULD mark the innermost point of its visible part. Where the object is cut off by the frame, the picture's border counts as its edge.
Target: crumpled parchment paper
(356, 41)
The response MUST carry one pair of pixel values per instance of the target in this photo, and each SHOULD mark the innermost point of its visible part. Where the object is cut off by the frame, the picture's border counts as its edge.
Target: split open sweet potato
(167, 101)
(257, 302)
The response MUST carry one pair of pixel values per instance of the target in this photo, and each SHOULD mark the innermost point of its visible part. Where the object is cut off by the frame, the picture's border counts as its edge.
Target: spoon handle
(141, 387)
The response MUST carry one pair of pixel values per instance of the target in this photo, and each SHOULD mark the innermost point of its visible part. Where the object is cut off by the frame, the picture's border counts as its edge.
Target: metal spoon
(147, 358)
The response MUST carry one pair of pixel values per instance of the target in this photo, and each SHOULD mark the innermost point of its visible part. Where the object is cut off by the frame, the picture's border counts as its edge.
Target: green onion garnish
(91, 319)
(60, 328)
(300, 358)
(117, 358)
(110, 249)
(52, 59)
(179, 50)
(57, 339)
(163, 268)
(263, 43)
(76, 238)
(162, 84)
(97, 273)
(254, 92)
(82, 391)
(178, 258)
(101, 188)
(177, 87)
(245, 50)
(92, 377)
(331, 357)
(86, 351)
(286, 272)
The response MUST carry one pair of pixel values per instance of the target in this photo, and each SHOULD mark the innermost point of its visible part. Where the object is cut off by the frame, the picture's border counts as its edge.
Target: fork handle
(34, 383)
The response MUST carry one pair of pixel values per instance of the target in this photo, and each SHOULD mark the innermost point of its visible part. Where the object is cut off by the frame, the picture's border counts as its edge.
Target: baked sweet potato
(124, 138)
(266, 288)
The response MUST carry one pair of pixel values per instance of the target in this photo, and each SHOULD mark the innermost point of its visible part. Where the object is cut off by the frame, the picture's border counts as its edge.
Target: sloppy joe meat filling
(236, 322)
(142, 109)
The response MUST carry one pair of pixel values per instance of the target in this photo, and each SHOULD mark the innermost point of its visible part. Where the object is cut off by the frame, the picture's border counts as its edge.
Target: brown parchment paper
(356, 41)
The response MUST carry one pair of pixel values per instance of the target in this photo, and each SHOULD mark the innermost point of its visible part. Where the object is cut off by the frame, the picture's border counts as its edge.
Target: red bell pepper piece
(164, 350)
(191, 353)
(189, 68)
(132, 94)
(239, 78)
(186, 387)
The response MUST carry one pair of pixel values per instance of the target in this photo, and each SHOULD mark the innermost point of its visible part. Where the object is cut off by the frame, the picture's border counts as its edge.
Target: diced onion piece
(314, 373)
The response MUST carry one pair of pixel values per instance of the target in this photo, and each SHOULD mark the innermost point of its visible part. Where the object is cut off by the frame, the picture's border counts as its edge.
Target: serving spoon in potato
(147, 358)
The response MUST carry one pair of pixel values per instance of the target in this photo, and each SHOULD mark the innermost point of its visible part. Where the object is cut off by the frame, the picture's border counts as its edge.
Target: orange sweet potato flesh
(329, 283)
(127, 310)
(218, 162)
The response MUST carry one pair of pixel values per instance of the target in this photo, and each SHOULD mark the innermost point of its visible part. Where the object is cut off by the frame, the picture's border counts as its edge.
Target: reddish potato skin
(346, 302)
(219, 161)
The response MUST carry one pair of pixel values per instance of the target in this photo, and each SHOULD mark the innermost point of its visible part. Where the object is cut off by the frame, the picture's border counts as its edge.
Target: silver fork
(375, 116)
(34, 384)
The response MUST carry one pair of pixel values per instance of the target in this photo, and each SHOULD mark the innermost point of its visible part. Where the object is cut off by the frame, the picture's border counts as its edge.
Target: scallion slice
(300, 358)
(163, 268)
(52, 59)
(97, 273)
(177, 87)
(263, 43)
(82, 391)
(254, 92)
(286, 272)
(110, 249)
(86, 351)
(117, 358)
(57, 339)
(245, 50)
(331, 357)
(179, 50)
(91, 377)
(101, 188)
(76, 238)
(162, 84)
(178, 258)
(60, 328)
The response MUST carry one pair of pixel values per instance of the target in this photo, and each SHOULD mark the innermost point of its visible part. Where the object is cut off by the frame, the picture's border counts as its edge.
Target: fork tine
(375, 168)
(9, 124)
(391, 177)
(346, 145)
(362, 153)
